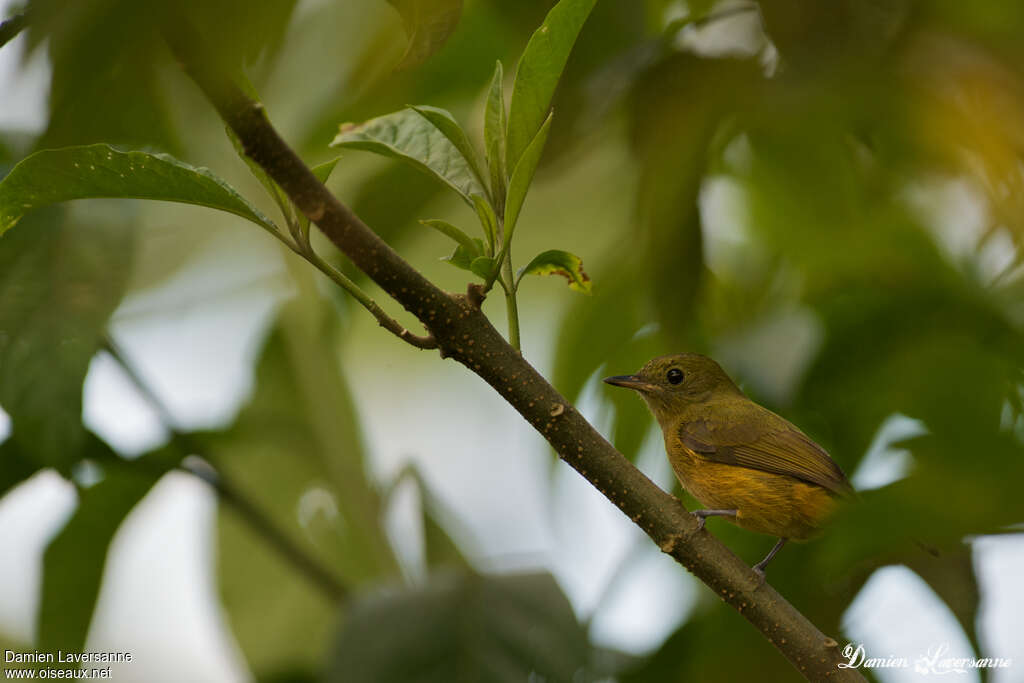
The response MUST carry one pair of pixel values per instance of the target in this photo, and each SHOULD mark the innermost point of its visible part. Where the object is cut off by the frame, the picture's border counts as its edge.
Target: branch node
(475, 295)
(556, 410)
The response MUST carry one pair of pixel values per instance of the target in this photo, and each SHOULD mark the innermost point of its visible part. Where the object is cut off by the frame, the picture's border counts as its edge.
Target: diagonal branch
(465, 334)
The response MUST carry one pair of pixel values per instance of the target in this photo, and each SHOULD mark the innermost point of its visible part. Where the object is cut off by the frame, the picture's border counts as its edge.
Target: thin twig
(228, 493)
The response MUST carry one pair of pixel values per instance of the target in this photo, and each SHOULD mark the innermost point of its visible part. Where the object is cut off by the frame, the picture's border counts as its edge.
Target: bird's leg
(702, 516)
(759, 567)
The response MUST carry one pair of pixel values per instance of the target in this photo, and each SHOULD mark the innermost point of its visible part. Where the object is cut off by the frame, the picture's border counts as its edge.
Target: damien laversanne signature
(936, 661)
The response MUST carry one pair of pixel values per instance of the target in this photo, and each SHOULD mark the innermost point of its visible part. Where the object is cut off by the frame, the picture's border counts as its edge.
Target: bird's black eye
(674, 376)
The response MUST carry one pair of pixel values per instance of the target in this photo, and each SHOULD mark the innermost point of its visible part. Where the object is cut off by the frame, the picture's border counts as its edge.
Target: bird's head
(669, 384)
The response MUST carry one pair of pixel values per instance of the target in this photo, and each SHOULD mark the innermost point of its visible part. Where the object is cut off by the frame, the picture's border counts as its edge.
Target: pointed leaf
(428, 24)
(407, 135)
(519, 185)
(446, 123)
(446, 228)
(463, 256)
(58, 175)
(323, 171)
(538, 72)
(494, 135)
(556, 262)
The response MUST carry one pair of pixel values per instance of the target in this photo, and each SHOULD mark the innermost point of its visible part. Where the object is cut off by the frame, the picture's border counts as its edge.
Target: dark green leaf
(463, 628)
(15, 466)
(446, 123)
(428, 23)
(58, 175)
(409, 136)
(74, 560)
(446, 228)
(538, 72)
(463, 256)
(59, 283)
(522, 176)
(494, 135)
(556, 262)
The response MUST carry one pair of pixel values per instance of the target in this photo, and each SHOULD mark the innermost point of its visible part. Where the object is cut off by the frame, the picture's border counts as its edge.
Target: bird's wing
(777, 447)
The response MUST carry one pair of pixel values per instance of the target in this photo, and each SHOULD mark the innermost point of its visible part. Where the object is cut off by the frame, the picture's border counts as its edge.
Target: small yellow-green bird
(740, 460)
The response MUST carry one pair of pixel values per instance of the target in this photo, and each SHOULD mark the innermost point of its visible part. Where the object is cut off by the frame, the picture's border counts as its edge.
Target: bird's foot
(760, 566)
(702, 515)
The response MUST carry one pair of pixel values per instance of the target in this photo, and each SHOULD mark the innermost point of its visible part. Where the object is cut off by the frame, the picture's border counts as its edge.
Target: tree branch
(465, 334)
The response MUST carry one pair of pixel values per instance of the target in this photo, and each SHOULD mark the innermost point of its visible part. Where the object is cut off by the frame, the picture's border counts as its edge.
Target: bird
(740, 460)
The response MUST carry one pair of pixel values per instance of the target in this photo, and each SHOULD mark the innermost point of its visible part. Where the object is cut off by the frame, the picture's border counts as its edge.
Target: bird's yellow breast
(767, 503)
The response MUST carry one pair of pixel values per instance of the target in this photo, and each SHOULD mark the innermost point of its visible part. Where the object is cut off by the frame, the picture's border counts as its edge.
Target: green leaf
(428, 24)
(446, 123)
(446, 228)
(58, 175)
(556, 262)
(323, 171)
(410, 137)
(74, 560)
(482, 266)
(519, 185)
(494, 135)
(60, 280)
(538, 72)
(464, 255)
(463, 627)
(488, 220)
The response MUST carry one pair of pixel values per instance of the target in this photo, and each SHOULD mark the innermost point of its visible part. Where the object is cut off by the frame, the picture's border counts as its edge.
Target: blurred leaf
(556, 262)
(446, 123)
(463, 627)
(494, 135)
(296, 451)
(522, 176)
(428, 23)
(951, 575)
(58, 175)
(538, 72)
(446, 228)
(439, 548)
(74, 560)
(15, 466)
(464, 255)
(409, 136)
(59, 282)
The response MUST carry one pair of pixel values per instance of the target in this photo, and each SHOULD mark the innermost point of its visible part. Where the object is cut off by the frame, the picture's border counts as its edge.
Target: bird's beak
(630, 382)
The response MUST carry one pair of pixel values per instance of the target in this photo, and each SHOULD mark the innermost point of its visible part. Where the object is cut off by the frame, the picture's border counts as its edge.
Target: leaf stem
(385, 321)
(512, 307)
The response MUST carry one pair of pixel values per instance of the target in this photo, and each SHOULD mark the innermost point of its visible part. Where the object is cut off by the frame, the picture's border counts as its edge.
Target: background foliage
(827, 197)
